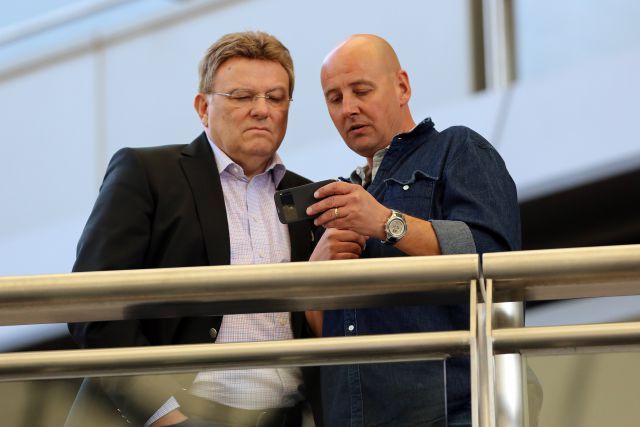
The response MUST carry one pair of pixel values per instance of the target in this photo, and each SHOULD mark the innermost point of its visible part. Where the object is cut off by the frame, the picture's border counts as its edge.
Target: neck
(408, 123)
(252, 169)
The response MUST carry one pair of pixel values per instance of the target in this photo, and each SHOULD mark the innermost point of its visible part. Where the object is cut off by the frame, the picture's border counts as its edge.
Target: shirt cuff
(454, 237)
(167, 407)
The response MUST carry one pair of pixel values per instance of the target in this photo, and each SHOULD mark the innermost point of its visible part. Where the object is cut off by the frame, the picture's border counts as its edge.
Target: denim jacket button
(405, 187)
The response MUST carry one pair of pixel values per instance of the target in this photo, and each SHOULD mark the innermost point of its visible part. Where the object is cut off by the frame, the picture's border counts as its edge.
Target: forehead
(345, 70)
(251, 73)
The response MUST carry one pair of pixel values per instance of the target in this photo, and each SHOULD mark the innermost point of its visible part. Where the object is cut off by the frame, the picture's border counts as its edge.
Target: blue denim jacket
(459, 182)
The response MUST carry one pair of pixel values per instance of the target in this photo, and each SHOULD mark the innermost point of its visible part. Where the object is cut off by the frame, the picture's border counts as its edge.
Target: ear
(201, 105)
(404, 87)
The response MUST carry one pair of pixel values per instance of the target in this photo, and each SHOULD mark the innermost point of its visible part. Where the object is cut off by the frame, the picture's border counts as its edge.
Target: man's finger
(323, 205)
(337, 187)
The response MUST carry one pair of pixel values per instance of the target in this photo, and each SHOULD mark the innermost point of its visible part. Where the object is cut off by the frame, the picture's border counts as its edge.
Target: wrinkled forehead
(340, 73)
(252, 73)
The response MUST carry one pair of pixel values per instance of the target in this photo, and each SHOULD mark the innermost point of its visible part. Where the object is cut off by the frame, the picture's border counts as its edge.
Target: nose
(259, 108)
(350, 105)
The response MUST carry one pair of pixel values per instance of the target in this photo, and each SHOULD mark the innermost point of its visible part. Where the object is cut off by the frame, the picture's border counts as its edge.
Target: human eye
(334, 99)
(362, 91)
(276, 97)
(242, 95)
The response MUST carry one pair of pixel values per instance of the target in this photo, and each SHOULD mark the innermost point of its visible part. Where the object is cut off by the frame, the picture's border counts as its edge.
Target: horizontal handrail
(196, 357)
(193, 291)
(569, 336)
(564, 273)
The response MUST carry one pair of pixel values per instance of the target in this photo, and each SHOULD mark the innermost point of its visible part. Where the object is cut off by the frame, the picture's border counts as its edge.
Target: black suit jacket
(158, 207)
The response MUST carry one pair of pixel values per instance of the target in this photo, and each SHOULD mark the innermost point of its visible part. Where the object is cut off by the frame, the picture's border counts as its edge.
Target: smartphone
(292, 203)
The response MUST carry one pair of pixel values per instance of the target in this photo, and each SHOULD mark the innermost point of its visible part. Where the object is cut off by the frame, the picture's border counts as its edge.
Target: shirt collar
(225, 163)
(364, 175)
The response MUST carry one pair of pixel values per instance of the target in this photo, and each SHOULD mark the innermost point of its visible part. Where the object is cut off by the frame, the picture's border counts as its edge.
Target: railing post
(486, 415)
(508, 388)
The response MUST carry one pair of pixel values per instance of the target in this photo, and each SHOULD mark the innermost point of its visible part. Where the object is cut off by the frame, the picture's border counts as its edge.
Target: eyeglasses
(245, 97)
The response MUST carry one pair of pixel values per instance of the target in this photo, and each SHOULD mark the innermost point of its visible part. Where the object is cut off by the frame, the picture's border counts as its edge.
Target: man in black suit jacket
(165, 207)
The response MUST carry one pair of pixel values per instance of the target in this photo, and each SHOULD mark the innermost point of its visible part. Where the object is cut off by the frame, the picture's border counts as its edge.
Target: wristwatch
(395, 228)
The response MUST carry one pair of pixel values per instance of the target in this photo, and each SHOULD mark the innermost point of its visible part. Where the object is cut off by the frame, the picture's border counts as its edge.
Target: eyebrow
(362, 82)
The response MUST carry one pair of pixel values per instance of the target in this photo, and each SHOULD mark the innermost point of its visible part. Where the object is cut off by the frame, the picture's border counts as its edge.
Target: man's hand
(338, 244)
(334, 244)
(349, 207)
(172, 418)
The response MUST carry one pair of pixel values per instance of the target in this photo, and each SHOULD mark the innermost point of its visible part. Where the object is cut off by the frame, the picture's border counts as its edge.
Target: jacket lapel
(200, 168)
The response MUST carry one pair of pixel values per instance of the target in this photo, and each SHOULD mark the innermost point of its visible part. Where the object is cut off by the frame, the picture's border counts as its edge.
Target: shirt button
(283, 321)
(351, 328)
(405, 188)
(213, 333)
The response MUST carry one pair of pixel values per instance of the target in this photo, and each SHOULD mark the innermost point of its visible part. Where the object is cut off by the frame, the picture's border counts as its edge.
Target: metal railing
(550, 275)
(493, 342)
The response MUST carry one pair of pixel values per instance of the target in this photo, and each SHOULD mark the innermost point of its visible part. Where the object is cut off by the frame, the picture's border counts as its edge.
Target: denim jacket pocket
(413, 196)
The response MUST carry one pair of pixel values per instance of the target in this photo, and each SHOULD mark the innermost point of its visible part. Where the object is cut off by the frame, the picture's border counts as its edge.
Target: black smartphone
(292, 203)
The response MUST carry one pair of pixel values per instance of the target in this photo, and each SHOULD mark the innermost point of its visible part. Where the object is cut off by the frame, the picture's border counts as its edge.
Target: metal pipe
(84, 45)
(564, 273)
(196, 357)
(556, 337)
(55, 18)
(498, 43)
(193, 291)
(484, 395)
(509, 386)
(474, 355)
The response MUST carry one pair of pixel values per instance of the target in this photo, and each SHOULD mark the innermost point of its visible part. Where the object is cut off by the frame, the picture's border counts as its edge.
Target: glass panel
(587, 390)
(385, 394)
(389, 394)
(36, 403)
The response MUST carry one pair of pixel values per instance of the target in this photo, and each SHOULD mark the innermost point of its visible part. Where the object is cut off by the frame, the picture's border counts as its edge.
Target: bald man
(421, 192)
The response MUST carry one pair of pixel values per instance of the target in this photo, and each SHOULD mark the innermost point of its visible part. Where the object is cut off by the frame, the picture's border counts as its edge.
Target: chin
(362, 148)
(263, 147)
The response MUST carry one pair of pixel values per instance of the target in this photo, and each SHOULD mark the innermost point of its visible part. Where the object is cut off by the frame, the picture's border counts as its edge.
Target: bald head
(367, 93)
(373, 49)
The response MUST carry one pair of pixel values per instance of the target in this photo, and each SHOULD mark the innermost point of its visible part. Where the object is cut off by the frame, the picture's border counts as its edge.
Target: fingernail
(309, 211)
(316, 195)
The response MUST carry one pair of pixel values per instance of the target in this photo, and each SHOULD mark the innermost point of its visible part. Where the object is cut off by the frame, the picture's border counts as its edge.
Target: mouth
(259, 129)
(355, 128)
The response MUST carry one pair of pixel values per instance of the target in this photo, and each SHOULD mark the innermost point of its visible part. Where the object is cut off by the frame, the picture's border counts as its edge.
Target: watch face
(396, 227)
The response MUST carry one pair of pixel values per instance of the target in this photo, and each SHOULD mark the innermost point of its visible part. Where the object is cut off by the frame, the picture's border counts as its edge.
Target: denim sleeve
(454, 237)
(478, 191)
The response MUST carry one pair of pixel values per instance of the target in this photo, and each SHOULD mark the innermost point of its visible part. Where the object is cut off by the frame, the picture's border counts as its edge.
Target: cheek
(234, 121)
(337, 121)
(280, 122)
